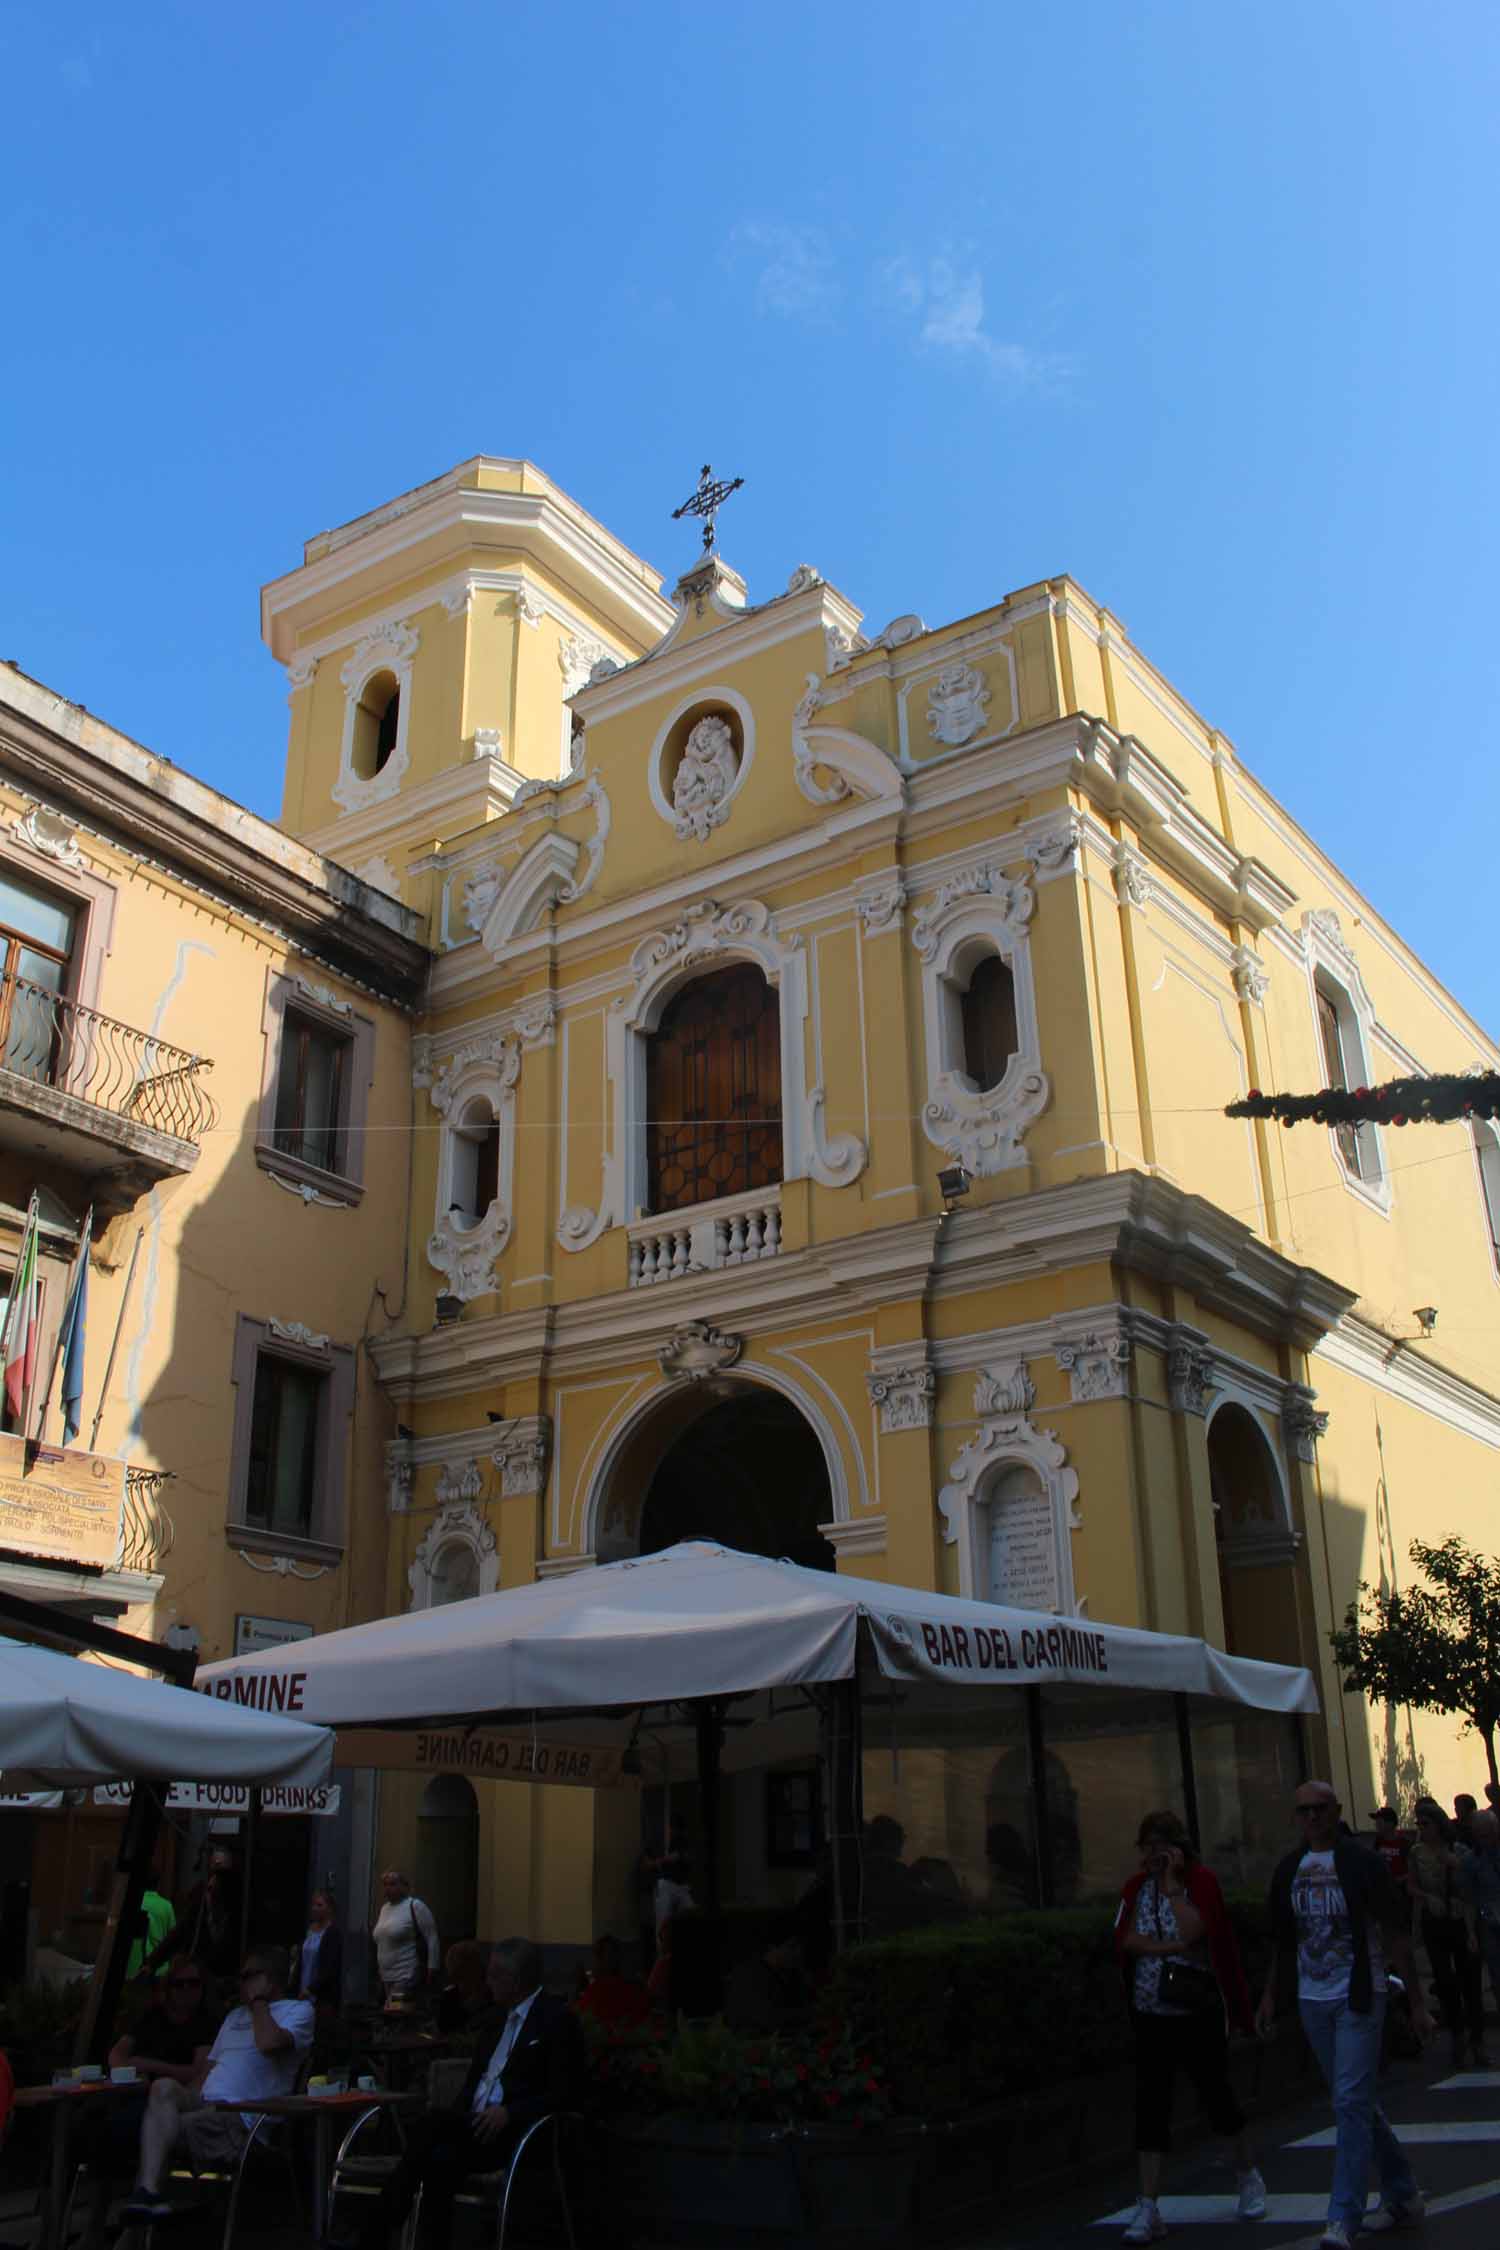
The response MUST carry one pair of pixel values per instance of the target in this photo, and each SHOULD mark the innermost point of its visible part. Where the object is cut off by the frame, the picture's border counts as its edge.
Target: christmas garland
(1400, 1101)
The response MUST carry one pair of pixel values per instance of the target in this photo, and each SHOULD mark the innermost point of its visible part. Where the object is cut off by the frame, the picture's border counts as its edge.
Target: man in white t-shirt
(255, 2055)
(1334, 1906)
(407, 1950)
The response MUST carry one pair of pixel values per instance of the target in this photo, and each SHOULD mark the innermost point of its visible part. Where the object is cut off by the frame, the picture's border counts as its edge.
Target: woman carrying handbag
(1184, 1984)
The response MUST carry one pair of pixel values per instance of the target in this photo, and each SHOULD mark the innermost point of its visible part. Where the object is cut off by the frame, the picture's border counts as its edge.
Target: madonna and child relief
(705, 779)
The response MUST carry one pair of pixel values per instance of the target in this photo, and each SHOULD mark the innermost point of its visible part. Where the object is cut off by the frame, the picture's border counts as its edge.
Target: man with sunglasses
(1336, 1911)
(170, 2040)
(255, 2054)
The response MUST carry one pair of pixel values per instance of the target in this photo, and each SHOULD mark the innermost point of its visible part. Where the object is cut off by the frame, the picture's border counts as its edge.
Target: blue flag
(75, 1316)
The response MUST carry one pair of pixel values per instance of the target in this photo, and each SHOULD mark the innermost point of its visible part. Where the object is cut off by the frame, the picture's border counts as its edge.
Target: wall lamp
(954, 1183)
(1425, 1317)
(448, 1309)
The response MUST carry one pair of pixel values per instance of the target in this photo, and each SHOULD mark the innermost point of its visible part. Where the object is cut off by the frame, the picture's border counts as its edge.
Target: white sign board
(252, 1634)
(321, 1802)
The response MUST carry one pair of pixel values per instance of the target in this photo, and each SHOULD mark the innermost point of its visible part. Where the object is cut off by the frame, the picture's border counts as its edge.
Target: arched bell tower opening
(729, 1461)
(1257, 1547)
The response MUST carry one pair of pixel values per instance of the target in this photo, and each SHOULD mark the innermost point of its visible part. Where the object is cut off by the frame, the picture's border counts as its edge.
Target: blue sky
(1195, 301)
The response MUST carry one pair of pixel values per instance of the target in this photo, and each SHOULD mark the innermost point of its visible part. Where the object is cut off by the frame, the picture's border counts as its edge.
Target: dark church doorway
(748, 1473)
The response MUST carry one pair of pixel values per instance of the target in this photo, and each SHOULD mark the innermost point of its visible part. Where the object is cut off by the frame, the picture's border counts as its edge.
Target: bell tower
(432, 647)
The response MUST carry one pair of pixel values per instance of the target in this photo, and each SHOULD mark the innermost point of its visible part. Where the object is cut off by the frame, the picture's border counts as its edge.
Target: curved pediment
(531, 887)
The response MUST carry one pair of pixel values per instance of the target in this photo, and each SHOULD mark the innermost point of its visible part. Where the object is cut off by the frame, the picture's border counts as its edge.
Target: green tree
(1435, 1647)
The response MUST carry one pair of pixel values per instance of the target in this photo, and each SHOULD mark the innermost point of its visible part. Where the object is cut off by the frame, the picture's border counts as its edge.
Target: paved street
(1450, 2122)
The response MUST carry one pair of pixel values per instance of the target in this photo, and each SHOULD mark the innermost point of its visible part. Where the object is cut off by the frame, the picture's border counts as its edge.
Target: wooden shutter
(713, 1091)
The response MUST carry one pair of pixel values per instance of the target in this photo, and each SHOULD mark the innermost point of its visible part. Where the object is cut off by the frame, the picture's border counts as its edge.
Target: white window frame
(976, 912)
(708, 936)
(1487, 1168)
(1333, 970)
(487, 1069)
(391, 649)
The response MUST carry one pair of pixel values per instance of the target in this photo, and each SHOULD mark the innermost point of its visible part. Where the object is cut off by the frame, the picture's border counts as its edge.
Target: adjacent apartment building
(764, 1078)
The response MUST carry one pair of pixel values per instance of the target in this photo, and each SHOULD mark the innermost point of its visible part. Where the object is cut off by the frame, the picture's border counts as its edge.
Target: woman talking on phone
(1184, 1985)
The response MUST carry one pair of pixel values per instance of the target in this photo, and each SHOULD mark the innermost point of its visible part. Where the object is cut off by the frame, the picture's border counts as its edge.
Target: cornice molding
(443, 520)
(115, 789)
(1125, 1219)
(1392, 1366)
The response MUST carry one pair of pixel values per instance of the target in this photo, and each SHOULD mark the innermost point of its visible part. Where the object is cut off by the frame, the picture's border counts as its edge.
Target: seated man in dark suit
(528, 2060)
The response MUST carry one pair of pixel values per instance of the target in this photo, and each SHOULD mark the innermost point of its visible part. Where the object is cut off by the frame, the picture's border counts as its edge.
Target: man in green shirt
(160, 1918)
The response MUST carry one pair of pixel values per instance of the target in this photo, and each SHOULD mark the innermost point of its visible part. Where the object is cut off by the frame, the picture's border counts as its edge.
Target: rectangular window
(36, 932)
(289, 1466)
(309, 1094)
(318, 1065)
(1356, 1143)
(281, 1486)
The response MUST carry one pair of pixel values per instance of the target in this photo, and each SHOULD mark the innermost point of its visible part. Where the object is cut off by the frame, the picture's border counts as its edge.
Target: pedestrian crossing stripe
(1449, 2130)
(1469, 2082)
(1208, 2210)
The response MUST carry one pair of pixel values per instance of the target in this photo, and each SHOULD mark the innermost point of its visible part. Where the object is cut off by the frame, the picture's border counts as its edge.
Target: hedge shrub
(969, 2012)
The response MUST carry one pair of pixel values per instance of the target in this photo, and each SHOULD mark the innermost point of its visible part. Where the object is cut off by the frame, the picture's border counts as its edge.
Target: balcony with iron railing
(96, 1094)
(147, 1532)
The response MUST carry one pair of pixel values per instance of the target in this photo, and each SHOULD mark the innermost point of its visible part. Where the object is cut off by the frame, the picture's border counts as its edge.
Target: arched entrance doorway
(1257, 1547)
(738, 1463)
(733, 1462)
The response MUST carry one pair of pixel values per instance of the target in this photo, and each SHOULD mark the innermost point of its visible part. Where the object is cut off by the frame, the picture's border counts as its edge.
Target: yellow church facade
(818, 1134)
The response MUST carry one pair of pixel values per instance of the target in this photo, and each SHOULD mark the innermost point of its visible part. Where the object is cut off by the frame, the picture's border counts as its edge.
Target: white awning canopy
(703, 1620)
(65, 1723)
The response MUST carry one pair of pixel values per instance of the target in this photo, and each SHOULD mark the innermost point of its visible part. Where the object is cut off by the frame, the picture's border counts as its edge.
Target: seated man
(172, 2039)
(528, 2059)
(256, 2054)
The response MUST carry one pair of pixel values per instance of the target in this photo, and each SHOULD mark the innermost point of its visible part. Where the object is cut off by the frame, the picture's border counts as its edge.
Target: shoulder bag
(1183, 1984)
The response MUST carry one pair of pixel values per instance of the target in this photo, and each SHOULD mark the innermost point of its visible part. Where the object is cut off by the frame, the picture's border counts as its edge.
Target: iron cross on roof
(706, 501)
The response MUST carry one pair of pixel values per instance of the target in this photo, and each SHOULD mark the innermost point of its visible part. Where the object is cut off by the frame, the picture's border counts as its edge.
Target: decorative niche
(699, 762)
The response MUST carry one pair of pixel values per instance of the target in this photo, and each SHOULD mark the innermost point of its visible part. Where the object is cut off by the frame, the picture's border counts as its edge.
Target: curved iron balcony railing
(55, 1041)
(146, 1530)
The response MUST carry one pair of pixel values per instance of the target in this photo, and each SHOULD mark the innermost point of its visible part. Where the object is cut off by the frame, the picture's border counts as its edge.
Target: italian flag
(21, 1325)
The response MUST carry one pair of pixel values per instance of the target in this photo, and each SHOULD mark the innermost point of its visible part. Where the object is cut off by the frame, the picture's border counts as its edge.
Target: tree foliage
(1434, 1647)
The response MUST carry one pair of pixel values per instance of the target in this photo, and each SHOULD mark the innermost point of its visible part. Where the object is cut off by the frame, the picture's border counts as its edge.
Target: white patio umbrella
(702, 1620)
(65, 1723)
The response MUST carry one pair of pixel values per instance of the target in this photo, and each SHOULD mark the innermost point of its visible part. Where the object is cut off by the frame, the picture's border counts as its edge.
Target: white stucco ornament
(704, 781)
(956, 704)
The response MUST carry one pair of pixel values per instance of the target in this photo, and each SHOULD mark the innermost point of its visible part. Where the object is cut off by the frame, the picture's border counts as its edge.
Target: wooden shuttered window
(713, 1091)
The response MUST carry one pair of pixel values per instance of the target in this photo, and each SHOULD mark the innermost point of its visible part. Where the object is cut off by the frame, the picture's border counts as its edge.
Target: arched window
(1487, 1149)
(474, 1166)
(713, 1091)
(377, 720)
(1344, 1067)
(987, 1008)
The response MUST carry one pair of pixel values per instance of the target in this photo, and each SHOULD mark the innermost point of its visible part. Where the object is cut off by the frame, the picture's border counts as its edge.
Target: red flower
(872, 2085)
(801, 2070)
(831, 2098)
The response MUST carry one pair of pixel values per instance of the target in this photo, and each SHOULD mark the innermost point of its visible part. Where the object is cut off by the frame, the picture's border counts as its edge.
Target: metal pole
(1189, 1776)
(114, 1343)
(57, 1348)
(252, 1838)
(1036, 1746)
(843, 1718)
(121, 1927)
(708, 1721)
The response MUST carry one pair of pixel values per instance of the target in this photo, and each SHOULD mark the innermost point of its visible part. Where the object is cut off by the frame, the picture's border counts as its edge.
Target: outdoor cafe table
(64, 2103)
(325, 2111)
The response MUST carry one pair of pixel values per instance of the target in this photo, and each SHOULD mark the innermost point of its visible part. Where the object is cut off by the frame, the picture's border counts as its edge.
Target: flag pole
(114, 1343)
(64, 1329)
(16, 1311)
